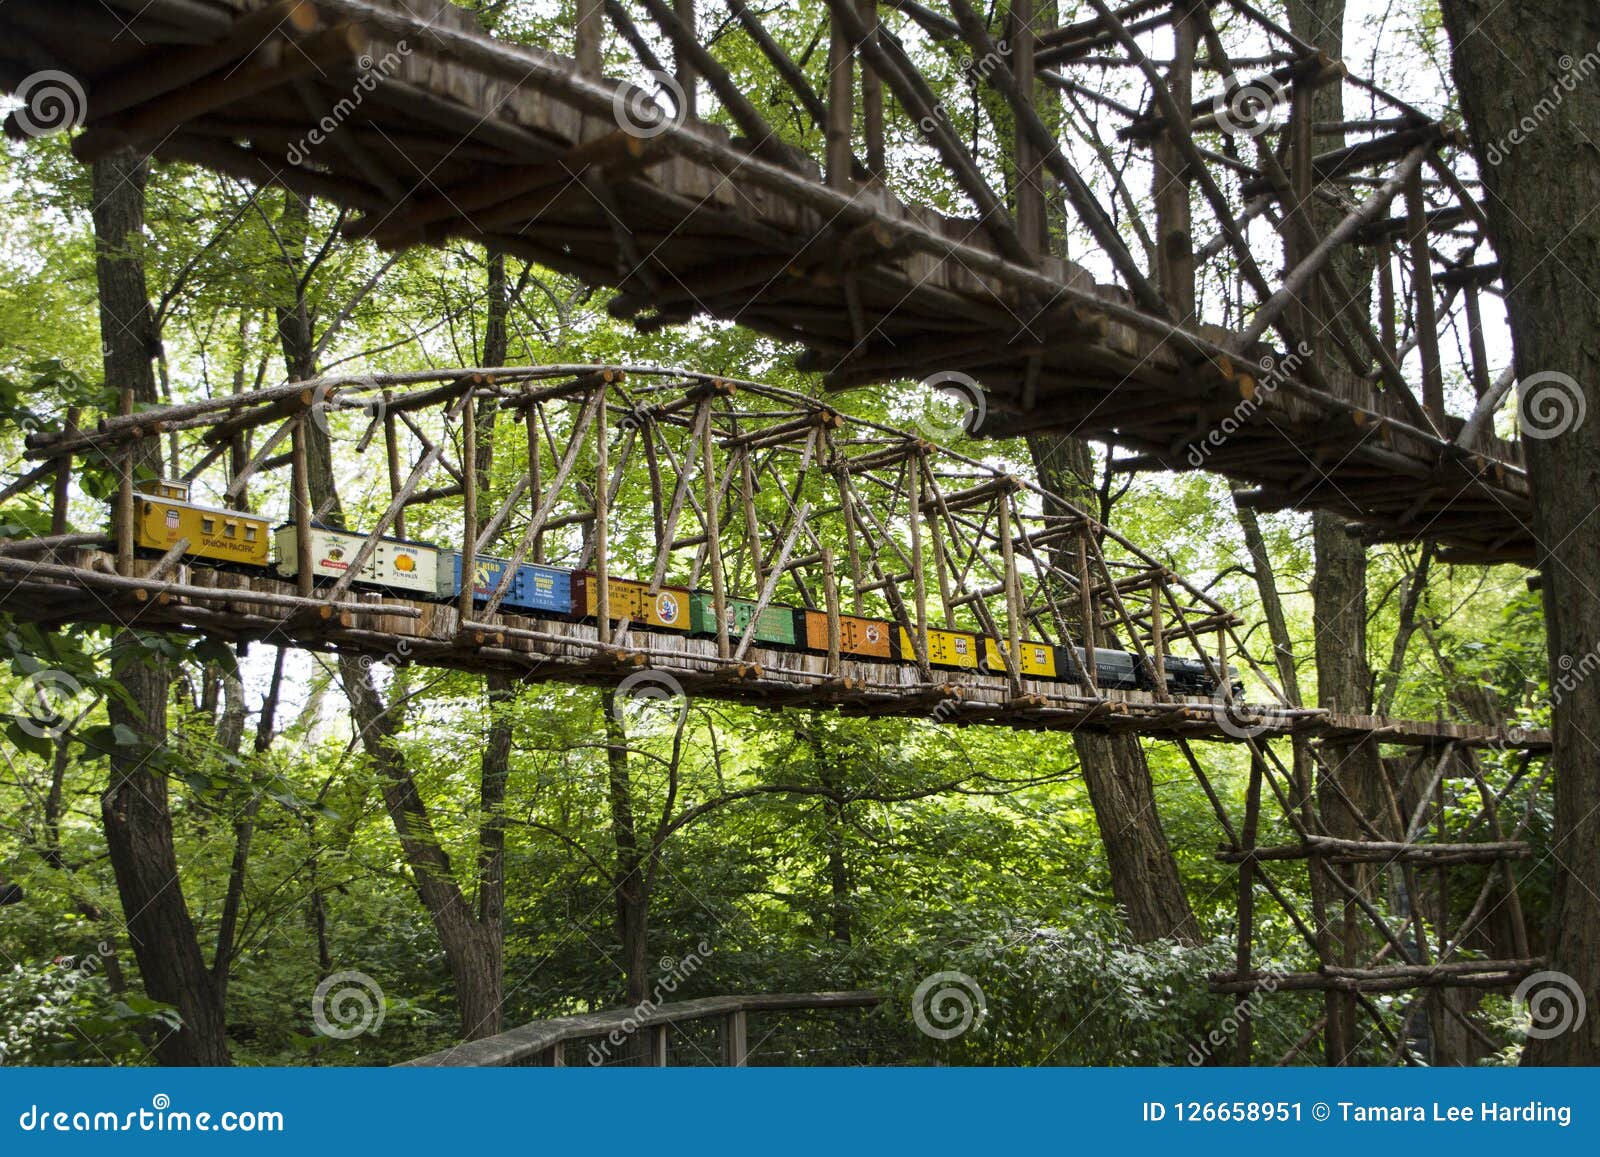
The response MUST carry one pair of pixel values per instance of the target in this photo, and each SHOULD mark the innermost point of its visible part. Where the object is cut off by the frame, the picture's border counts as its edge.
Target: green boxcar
(775, 626)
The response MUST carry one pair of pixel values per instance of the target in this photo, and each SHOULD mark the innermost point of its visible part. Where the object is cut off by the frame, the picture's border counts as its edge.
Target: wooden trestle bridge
(825, 228)
(679, 481)
(830, 200)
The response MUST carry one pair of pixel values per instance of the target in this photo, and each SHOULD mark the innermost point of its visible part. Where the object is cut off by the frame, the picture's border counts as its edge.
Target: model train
(164, 515)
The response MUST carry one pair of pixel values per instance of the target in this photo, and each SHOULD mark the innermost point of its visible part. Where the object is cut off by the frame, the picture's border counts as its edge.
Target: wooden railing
(543, 1043)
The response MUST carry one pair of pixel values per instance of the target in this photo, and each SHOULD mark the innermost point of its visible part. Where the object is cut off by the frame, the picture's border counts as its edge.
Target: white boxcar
(395, 563)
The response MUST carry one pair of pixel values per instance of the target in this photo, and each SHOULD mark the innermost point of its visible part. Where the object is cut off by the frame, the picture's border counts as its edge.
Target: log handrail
(529, 1043)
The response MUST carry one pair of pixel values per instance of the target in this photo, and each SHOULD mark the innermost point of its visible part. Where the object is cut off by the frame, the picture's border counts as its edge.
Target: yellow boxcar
(226, 535)
(668, 608)
(945, 648)
(1038, 659)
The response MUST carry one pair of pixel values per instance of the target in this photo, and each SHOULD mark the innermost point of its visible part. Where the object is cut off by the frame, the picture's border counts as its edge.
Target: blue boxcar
(535, 588)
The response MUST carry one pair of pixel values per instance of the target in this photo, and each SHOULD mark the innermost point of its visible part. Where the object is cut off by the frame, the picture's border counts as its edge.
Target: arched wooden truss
(808, 205)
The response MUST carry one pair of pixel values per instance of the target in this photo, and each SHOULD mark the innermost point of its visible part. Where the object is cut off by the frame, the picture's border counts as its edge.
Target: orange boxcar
(868, 637)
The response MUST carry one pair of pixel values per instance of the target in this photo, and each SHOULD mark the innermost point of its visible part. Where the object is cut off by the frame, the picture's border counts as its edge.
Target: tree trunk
(138, 824)
(1144, 875)
(1514, 67)
(472, 953)
(1339, 584)
(629, 880)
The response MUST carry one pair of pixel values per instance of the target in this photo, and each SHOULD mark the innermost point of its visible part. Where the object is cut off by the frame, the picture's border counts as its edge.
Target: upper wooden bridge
(812, 203)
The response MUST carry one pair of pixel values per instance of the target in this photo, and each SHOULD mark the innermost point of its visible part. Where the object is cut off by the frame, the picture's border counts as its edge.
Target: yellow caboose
(162, 515)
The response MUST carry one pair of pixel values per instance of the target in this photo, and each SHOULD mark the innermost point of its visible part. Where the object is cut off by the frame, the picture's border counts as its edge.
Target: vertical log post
(1302, 172)
(1158, 642)
(919, 582)
(1086, 609)
(300, 503)
(61, 495)
(125, 515)
(1175, 269)
(830, 600)
(590, 37)
(602, 475)
(391, 450)
(871, 98)
(535, 475)
(1422, 290)
(713, 499)
(1386, 302)
(469, 504)
(841, 107)
(1008, 560)
(1482, 380)
(736, 1039)
(1031, 223)
(683, 69)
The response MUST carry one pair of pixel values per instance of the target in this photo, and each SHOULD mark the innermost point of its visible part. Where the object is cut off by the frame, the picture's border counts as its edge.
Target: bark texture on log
(1144, 874)
(1516, 66)
(134, 810)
